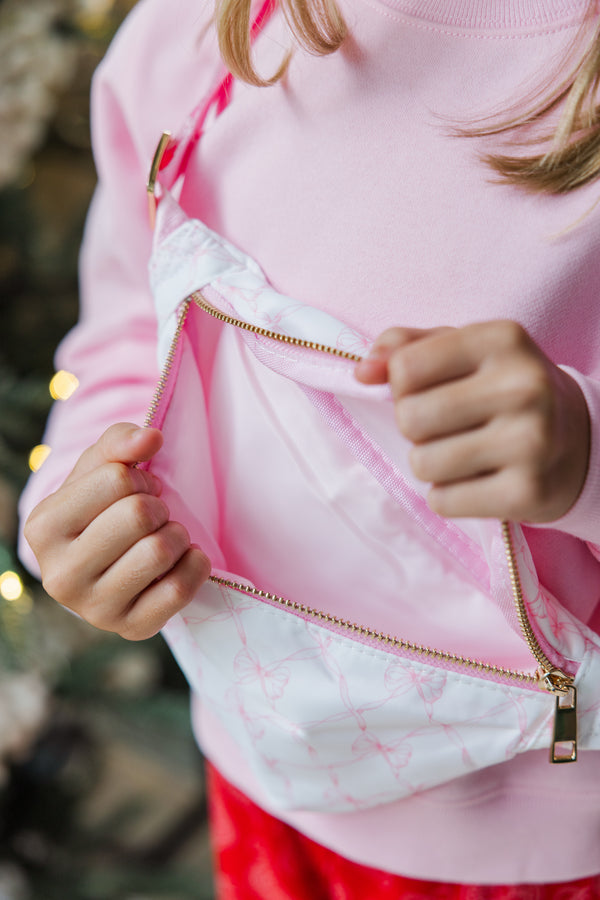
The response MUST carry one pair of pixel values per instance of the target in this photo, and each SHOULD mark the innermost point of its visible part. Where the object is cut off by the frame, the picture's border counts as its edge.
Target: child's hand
(497, 428)
(104, 542)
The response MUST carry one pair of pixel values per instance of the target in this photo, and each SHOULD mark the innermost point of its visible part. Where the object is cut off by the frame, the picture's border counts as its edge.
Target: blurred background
(101, 786)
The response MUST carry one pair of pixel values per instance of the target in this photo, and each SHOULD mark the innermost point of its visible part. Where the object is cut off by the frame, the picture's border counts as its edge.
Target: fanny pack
(331, 713)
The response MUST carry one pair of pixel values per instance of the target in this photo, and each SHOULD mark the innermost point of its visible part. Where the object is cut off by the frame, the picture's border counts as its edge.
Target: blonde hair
(568, 155)
(569, 152)
(317, 25)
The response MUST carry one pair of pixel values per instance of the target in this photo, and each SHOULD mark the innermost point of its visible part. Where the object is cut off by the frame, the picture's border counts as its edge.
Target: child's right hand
(104, 542)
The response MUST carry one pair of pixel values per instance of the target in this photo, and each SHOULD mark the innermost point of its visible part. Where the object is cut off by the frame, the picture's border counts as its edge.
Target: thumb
(372, 369)
(124, 443)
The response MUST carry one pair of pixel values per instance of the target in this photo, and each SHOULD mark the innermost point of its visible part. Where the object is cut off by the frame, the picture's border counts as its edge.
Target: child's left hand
(497, 428)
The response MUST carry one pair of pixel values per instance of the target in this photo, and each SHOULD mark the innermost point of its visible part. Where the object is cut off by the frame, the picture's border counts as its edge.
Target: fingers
(121, 443)
(153, 608)
(153, 580)
(105, 544)
(486, 410)
(416, 359)
(144, 562)
(519, 388)
(440, 357)
(64, 515)
(505, 494)
(502, 443)
(373, 369)
(118, 527)
(155, 576)
(446, 410)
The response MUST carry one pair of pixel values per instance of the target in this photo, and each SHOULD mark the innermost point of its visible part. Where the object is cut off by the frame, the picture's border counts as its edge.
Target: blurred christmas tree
(101, 796)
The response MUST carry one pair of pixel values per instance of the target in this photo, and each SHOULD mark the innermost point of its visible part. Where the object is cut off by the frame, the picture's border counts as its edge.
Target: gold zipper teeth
(549, 677)
(166, 370)
(379, 636)
(200, 301)
(517, 590)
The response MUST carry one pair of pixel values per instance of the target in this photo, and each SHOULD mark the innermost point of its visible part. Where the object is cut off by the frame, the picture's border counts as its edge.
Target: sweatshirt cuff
(583, 519)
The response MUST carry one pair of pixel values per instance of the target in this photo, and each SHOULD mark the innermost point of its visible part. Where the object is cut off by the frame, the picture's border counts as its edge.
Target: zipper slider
(563, 748)
(564, 740)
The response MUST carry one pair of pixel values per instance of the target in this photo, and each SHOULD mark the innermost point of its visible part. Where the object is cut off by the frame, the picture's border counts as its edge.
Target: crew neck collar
(491, 15)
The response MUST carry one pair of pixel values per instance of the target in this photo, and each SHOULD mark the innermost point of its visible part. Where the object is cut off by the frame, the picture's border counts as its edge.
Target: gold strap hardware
(154, 170)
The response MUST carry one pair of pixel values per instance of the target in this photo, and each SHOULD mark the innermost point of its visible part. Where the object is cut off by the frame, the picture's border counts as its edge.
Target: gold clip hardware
(152, 177)
(564, 741)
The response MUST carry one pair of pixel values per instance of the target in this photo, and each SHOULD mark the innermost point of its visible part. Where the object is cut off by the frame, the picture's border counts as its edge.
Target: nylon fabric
(328, 721)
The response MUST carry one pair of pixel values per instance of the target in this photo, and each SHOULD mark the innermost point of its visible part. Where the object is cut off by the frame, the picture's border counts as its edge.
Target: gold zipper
(199, 300)
(557, 681)
(547, 676)
(379, 636)
(168, 364)
(564, 739)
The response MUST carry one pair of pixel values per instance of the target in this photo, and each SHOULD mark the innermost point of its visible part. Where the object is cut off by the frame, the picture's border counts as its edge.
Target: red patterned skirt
(258, 857)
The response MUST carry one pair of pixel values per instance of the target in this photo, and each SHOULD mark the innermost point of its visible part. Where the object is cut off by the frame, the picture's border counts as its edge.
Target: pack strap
(173, 152)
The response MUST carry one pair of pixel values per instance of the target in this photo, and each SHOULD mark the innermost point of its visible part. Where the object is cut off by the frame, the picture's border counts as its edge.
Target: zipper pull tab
(564, 740)
(563, 748)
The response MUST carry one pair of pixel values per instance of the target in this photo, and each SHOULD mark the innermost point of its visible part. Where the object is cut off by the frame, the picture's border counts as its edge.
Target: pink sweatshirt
(346, 184)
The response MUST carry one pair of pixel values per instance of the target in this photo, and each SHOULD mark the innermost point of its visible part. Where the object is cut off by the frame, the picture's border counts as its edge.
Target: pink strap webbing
(179, 149)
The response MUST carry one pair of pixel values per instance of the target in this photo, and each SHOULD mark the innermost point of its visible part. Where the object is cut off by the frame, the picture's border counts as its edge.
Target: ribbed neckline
(492, 14)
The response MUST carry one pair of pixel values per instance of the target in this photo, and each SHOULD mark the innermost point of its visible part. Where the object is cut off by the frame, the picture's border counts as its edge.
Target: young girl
(388, 341)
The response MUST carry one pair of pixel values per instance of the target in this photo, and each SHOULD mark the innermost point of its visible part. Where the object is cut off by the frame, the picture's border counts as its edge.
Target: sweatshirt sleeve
(583, 519)
(112, 349)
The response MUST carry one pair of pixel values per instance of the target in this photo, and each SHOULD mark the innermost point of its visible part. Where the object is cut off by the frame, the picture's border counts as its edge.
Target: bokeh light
(63, 384)
(11, 586)
(38, 456)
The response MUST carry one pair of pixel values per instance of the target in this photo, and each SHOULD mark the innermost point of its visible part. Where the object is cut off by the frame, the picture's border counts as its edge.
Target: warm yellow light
(93, 15)
(63, 384)
(11, 586)
(38, 456)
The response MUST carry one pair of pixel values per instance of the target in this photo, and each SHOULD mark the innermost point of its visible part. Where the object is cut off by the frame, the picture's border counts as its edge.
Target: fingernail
(377, 351)
(373, 355)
